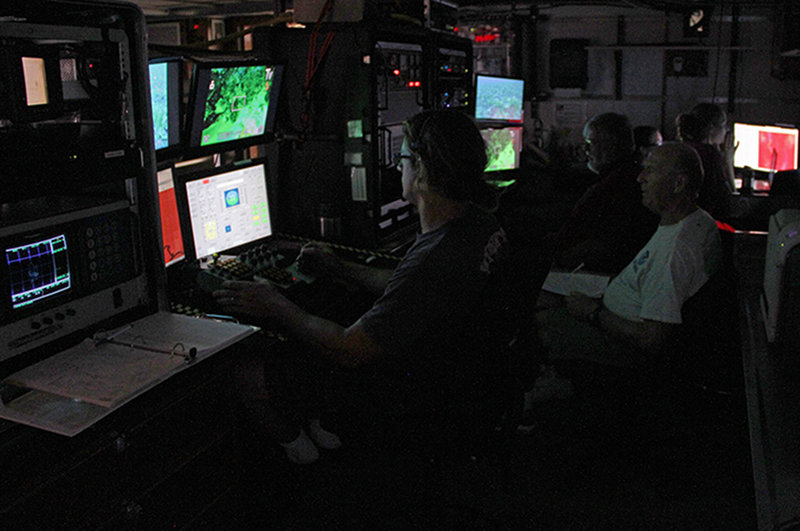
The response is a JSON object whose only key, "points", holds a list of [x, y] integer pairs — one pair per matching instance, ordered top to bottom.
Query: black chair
{"points": [[705, 353]]}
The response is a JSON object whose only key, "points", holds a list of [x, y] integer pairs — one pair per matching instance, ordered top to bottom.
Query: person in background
{"points": [[704, 128], [646, 137], [608, 224], [629, 326], [413, 357]]}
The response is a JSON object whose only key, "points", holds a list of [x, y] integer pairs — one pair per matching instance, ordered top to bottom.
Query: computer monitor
{"points": [[166, 93], [498, 98], [232, 104], [503, 146], [765, 147], [227, 207], [171, 235], [38, 269]]}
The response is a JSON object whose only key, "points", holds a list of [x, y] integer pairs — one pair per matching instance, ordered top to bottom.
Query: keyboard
{"points": [[211, 278]]}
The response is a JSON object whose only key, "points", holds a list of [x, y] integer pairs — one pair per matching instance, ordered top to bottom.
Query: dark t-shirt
{"points": [[716, 190], [610, 214], [425, 319]]}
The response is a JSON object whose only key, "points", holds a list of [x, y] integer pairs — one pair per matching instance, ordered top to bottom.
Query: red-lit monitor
{"points": [[765, 147], [171, 236]]}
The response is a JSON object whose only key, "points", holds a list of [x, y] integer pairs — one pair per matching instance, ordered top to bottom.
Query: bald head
{"points": [[682, 159], [671, 178]]}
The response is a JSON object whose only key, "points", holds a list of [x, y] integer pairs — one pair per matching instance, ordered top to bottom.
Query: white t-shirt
{"points": [[669, 269]]}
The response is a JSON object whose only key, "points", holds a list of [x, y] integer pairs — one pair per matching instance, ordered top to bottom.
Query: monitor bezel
{"points": [[499, 120], [787, 127], [191, 135], [171, 151], [180, 178]]}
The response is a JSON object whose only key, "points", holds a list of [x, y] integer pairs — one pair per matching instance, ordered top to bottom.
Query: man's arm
{"points": [[320, 260], [648, 335], [349, 346]]}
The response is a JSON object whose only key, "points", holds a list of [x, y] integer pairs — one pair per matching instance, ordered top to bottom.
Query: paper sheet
{"points": [[564, 283]]}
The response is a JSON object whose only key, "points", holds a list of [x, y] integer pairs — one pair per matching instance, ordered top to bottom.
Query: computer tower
{"points": [[346, 92], [780, 300]]}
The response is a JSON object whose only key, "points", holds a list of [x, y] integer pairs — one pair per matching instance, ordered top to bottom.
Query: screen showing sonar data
{"points": [[228, 209], [38, 270]]}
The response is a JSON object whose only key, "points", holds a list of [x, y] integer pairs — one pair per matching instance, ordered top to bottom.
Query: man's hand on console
{"points": [[318, 259], [255, 299]]}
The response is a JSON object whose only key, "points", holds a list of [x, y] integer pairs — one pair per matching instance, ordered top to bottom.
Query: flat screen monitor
{"points": [[166, 93], [498, 98], [232, 104], [503, 146], [765, 147], [227, 207], [171, 235], [38, 269]]}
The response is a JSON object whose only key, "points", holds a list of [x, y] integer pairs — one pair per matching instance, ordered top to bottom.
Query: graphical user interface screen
{"points": [[498, 98], [237, 103], [503, 147], [765, 148], [228, 210], [171, 237], [38, 270]]}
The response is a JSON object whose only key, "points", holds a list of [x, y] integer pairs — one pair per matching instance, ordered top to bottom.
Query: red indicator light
{"points": [[196, 26], [486, 37], [396, 72], [417, 83], [410, 84]]}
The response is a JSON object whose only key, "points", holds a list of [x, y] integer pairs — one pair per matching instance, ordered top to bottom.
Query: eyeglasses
{"points": [[397, 159]]}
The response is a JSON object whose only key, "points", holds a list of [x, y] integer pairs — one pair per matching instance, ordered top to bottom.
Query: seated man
{"points": [[608, 224], [642, 305], [414, 355]]}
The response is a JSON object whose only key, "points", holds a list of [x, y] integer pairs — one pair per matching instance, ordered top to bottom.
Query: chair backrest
{"points": [[504, 322], [706, 350]]}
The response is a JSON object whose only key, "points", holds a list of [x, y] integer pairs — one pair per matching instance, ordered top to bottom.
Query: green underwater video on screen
{"points": [[158, 102], [237, 103], [501, 148]]}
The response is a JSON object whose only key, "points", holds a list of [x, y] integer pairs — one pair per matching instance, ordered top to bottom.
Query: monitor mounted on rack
{"points": [[166, 99], [498, 99], [232, 105], [503, 147], [765, 148], [227, 207], [171, 235]]}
